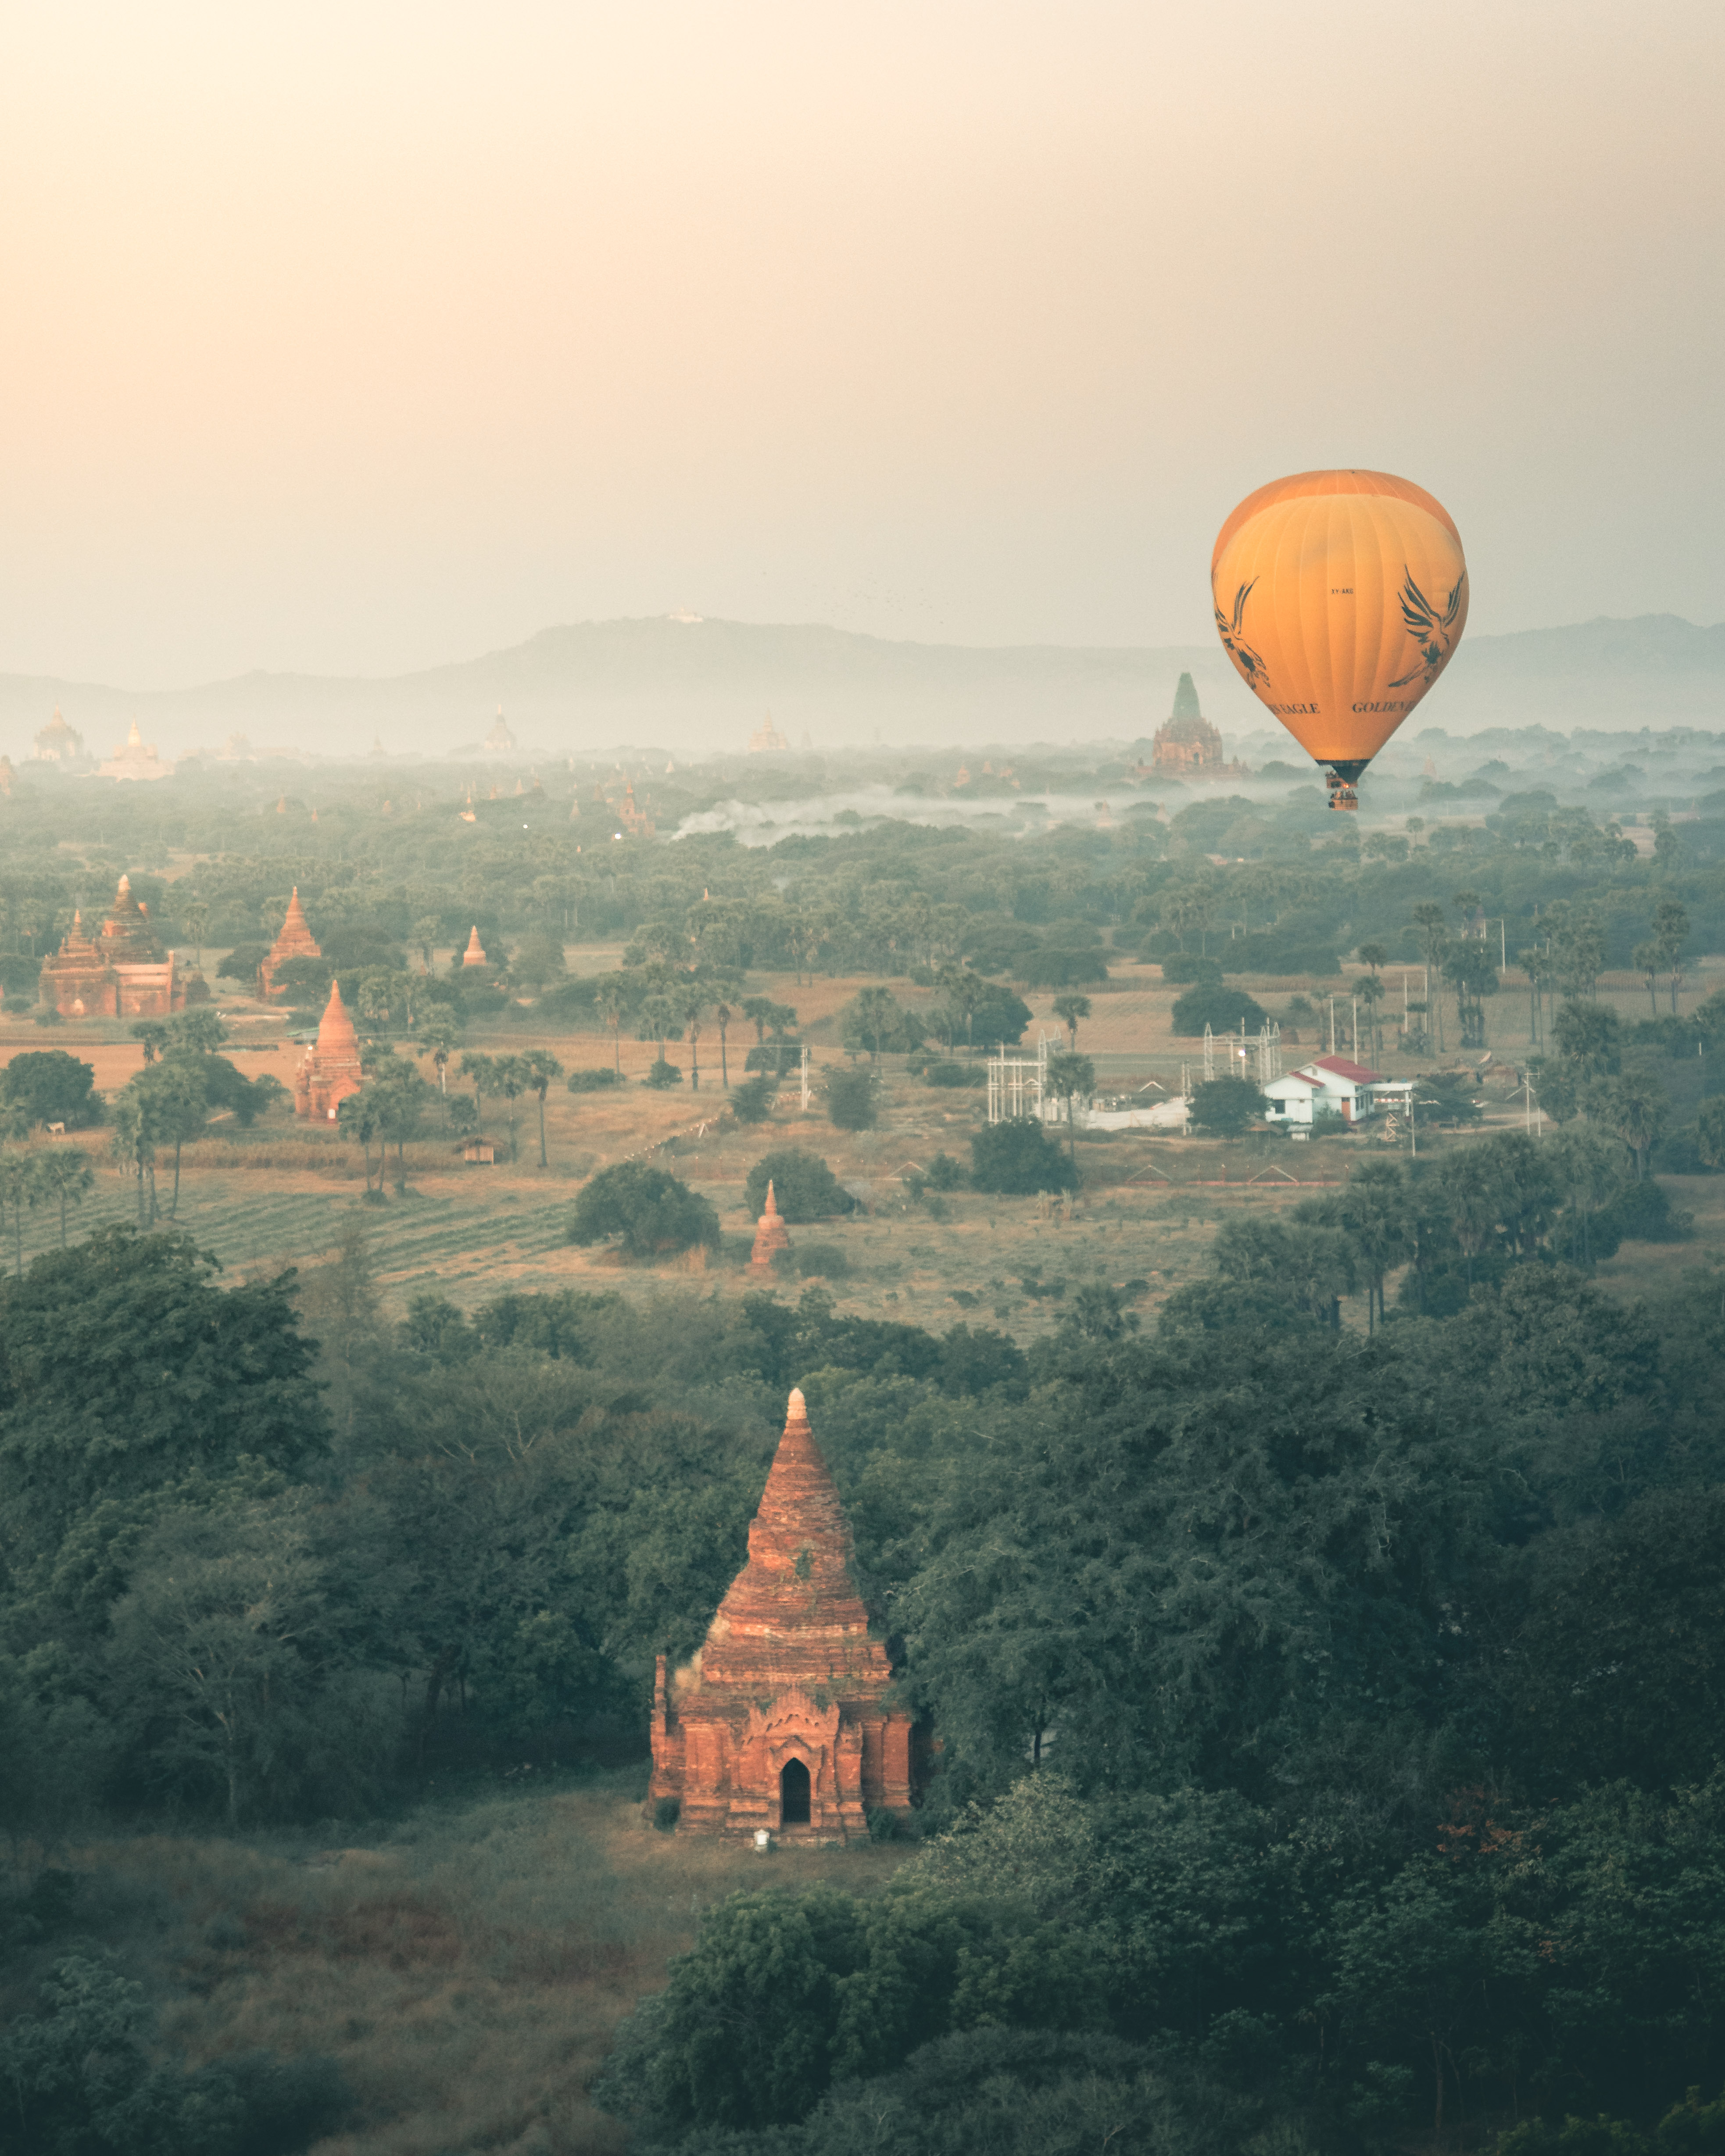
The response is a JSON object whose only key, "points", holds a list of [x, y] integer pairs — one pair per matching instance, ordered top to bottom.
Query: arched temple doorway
{"points": [[793, 1794]]}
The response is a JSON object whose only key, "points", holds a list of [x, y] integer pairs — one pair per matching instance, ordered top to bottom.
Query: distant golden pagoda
{"points": [[766, 740]]}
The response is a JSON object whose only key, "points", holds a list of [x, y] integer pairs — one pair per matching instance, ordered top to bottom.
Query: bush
{"points": [[242, 963], [1186, 966], [1062, 969], [1211, 1004], [875, 1022], [775, 1057], [955, 1075], [662, 1076], [594, 1081], [52, 1087], [850, 1099], [752, 1102], [1225, 1107], [1017, 1158], [943, 1173], [803, 1187], [1640, 1213], [652, 1214], [822, 1260], [666, 1813]]}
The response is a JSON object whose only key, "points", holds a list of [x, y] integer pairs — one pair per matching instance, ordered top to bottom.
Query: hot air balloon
{"points": [[1340, 596]]}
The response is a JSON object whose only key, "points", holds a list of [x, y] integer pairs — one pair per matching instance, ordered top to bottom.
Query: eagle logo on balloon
{"points": [[1433, 628], [1433, 631], [1250, 663]]}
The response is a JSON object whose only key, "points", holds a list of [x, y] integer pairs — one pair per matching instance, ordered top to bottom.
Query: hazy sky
{"points": [[358, 337]]}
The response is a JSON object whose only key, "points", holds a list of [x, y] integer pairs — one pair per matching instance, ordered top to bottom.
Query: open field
{"points": [[285, 1193], [465, 1966]]}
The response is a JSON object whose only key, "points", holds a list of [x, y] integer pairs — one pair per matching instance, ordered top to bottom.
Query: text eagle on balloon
{"points": [[1435, 632], [1249, 662]]}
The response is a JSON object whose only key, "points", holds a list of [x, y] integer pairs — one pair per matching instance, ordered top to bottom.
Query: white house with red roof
{"points": [[1328, 1086]]}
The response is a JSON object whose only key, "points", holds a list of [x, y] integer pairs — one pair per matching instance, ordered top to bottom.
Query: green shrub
{"points": [[242, 963], [1186, 966], [1061, 969], [1214, 1004], [955, 1075], [662, 1076], [595, 1080], [52, 1087], [850, 1100], [751, 1102], [1225, 1107], [1017, 1158], [943, 1173], [803, 1187], [1640, 1213], [651, 1214], [822, 1260], [666, 1813]]}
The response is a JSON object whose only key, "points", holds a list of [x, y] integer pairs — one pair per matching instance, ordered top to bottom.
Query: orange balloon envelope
{"points": [[1340, 596]]}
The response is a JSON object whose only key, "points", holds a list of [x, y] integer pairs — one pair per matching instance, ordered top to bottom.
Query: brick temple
{"points": [[295, 941], [120, 972], [330, 1070], [771, 1236], [782, 1719]]}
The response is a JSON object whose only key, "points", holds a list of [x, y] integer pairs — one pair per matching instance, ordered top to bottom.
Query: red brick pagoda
{"points": [[295, 941], [474, 954], [122, 972], [331, 1070], [771, 1236], [782, 1719]]}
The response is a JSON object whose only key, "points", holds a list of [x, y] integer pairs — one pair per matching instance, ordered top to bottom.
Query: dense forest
{"points": [[1328, 1715], [1334, 1718]]}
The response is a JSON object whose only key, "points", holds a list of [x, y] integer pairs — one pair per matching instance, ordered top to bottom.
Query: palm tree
{"points": [[195, 918], [1434, 937], [1647, 959], [1370, 992], [689, 1002], [610, 1003], [1068, 1009], [723, 1014], [439, 1036], [541, 1067], [482, 1071], [1069, 1074], [511, 1080], [179, 1106], [1637, 1108], [361, 1116], [133, 1141], [64, 1174], [16, 1186], [1473, 1207], [1374, 1215]]}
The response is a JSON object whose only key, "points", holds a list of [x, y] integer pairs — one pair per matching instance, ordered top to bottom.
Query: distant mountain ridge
{"points": [[700, 686]]}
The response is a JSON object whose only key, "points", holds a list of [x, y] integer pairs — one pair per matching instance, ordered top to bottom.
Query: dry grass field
{"points": [[283, 1193], [467, 1967]]}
